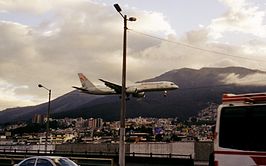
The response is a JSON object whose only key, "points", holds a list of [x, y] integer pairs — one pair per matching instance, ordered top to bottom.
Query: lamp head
{"points": [[117, 7], [132, 19], [40, 86]]}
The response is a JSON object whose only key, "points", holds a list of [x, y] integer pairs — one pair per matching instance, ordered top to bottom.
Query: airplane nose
{"points": [[174, 86]]}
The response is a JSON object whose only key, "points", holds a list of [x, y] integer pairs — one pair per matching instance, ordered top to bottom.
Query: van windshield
{"points": [[243, 128]]}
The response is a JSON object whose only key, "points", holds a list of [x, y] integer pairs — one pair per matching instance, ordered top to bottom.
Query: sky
{"points": [[49, 42]]}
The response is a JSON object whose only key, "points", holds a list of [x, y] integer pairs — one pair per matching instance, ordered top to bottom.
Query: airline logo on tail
{"points": [[82, 79]]}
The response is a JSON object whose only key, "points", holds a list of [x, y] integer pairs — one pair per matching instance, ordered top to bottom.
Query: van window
{"points": [[243, 128]]}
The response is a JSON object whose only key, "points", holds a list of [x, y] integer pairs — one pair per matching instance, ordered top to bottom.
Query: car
{"points": [[46, 161]]}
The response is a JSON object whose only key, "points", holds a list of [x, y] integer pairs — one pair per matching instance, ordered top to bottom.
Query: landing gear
{"points": [[165, 93]]}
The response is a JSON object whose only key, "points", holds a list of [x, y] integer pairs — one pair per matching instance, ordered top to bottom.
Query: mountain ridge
{"points": [[198, 88]]}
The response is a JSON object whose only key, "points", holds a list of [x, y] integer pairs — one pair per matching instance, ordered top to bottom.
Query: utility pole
{"points": [[123, 98], [48, 116]]}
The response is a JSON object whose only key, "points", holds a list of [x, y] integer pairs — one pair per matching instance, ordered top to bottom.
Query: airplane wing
{"points": [[117, 88], [82, 89]]}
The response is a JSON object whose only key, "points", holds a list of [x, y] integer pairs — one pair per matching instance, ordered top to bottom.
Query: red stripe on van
{"points": [[241, 153], [259, 160]]}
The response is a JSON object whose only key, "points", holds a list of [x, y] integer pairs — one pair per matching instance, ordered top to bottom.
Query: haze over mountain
{"points": [[198, 89]]}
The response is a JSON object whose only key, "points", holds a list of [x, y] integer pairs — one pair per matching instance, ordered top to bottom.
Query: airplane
{"points": [[137, 90]]}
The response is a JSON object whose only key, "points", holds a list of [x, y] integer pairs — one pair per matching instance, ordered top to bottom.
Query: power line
{"points": [[194, 47]]}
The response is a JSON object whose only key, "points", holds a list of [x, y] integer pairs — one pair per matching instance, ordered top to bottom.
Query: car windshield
{"points": [[243, 128], [64, 162]]}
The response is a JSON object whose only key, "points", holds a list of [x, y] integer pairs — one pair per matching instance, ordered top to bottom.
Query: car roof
{"points": [[50, 157]]}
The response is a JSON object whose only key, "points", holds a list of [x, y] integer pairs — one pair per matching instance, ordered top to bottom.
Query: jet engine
{"points": [[139, 94]]}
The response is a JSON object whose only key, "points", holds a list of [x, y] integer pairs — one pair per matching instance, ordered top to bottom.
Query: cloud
{"points": [[35, 7], [241, 17], [147, 22], [73, 36], [79, 36], [255, 47], [252, 79], [10, 95]]}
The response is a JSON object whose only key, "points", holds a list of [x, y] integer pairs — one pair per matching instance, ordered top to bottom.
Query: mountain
{"points": [[198, 88], [66, 102]]}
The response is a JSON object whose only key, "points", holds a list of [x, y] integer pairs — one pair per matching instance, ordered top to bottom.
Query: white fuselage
{"points": [[151, 86], [100, 90], [136, 90]]}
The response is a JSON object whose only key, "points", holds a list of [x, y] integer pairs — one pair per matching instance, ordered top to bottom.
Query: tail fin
{"points": [[84, 81]]}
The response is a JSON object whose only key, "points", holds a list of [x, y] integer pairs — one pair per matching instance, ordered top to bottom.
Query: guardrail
{"points": [[4, 152], [8, 157], [82, 161]]}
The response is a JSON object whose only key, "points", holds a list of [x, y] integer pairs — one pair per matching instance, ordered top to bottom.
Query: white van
{"points": [[240, 132]]}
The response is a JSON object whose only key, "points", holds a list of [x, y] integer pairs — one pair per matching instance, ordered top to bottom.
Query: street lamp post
{"points": [[123, 98], [48, 116]]}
